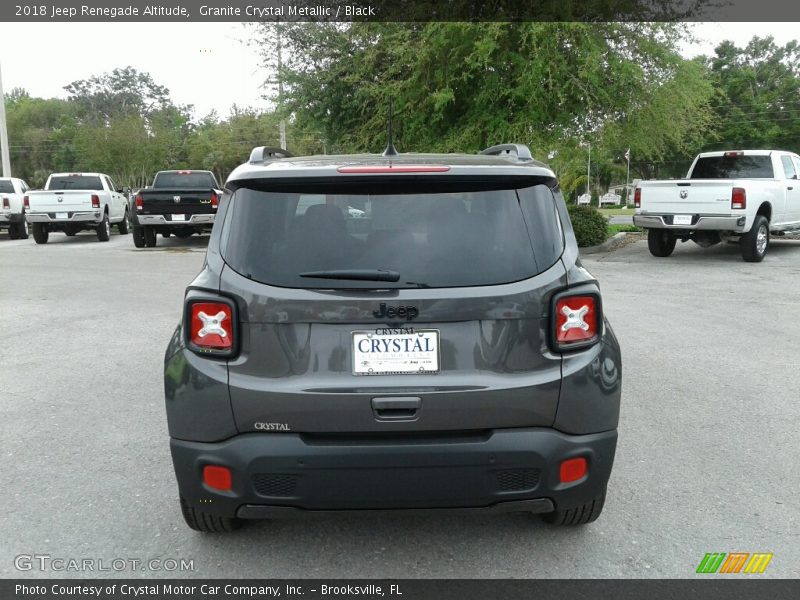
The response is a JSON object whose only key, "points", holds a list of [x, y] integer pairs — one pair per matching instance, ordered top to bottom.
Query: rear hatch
{"points": [[66, 193], [393, 307]]}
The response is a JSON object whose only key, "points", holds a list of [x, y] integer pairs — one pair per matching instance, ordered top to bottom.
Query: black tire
{"points": [[124, 224], [23, 229], [104, 229], [40, 233], [138, 236], [150, 237], [660, 242], [755, 243], [580, 515], [206, 522]]}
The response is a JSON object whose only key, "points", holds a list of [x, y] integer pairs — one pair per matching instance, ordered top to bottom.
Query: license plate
{"points": [[62, 215], [178, 217], [682, 220], [379, 353]]}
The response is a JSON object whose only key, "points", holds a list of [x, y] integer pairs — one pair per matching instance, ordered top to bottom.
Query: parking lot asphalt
{"points": [[708, 456]]}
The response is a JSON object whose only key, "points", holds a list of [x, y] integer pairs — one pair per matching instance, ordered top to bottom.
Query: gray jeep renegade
{"points": [[407, 331]]}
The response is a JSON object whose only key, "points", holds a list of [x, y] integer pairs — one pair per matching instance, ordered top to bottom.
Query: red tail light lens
{"points": [[637, 197], [738, 198], [214, 200], [95, 201], [26, 202], [139, 202], [6, 203], [576, 321], [211, 327], [573, 469], [218, 478]]}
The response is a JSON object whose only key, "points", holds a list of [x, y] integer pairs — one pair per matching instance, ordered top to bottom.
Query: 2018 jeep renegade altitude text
{"points": [[408, 331]]}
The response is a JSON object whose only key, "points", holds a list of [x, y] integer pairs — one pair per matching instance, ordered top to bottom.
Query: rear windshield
{"points": [[733, 167], [184, 180], [75, 182], [6, 187], [435, 239]]}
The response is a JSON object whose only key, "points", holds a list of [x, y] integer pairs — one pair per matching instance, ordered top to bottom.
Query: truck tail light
{"points": [[637, 198], [738, 198], [214, 200], [95, 201], [26, 202], [139, 202], [6, 203], [577, 320], [211, 327]]}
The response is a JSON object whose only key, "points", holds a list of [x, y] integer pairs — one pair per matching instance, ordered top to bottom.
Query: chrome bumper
{"points": [[73, 217], [204, 219], [731, 223]]}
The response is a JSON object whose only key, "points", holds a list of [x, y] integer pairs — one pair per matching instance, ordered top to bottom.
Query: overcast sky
{"points": [[208, 65]]}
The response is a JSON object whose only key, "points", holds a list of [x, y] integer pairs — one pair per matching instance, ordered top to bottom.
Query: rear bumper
{"points": [[94, 216], [160, 220], [699, 223], [497, 471]]}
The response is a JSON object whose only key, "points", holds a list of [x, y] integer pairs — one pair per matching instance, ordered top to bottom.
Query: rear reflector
{"points": [[395, 169], [637, 198], [738, 198], [95, 201], [26, 202], [139, 202], [6, 203], [576, 320], [211, 327], [573, 469], [218, 478]]}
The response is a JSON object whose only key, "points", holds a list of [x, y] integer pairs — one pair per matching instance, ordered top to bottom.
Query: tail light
{"points": [[637, 198], [738, 198], [214, 200], [95, 201], [26, 202], [139, 202], [6, 203], [577, 320], [211, 327], [573, 469], [218, 478]]}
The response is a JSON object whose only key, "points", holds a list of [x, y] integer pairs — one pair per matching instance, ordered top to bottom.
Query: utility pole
{"points": [[282, 124], [3, 131], [589, 172], [627, 175]]}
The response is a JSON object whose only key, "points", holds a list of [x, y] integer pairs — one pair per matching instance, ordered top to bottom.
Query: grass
{"points": [[615, 229]]}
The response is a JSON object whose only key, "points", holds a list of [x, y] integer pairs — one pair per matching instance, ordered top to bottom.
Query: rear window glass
{"points": [[733, 167], [185, 180], [75, 182], [6, 187], [435, 239]]}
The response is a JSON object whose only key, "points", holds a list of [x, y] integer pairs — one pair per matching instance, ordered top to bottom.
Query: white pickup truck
{"points": [[744, 195], [71, 202], [12, 213]]}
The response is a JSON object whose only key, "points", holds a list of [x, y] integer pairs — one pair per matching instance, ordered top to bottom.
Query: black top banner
{"points": [[397, 10]]}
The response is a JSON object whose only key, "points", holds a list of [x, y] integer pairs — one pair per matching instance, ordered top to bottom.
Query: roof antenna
{"points": [[390, 149]]}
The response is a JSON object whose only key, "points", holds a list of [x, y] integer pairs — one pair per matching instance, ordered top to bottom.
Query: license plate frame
{"points": [[62, 215], [179, 217], [682, 220], [426, 362]]}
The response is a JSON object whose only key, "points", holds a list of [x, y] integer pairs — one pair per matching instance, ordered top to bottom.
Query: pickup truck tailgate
{"points": [[698, 196], [61, 200], [177, 201]]}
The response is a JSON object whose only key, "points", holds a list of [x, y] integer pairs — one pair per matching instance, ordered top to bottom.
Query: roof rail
{"points": [[521, 151], [261, 154]]}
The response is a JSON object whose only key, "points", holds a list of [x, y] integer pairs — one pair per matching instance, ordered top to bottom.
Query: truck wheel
{"points": [[123, 225], [22, 229], [104, 229], [40, 233], [138, 236], [150, 237], [660, 242], [755, 242], [580, 515], [206, 522]]}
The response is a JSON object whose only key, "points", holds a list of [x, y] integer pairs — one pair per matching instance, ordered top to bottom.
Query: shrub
{"points": [[591, 227]]}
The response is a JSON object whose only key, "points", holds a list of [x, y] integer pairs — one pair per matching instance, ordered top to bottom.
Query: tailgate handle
{"points": [[396, 408]]}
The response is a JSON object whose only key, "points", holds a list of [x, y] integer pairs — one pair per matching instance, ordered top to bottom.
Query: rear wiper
{"points": [[355, 274]]}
